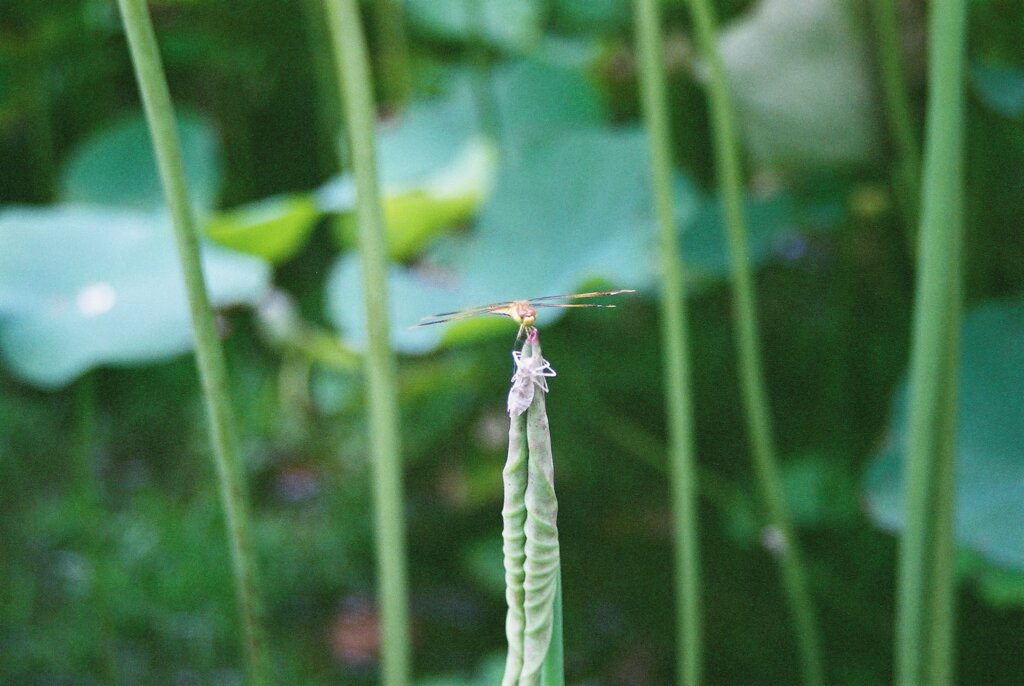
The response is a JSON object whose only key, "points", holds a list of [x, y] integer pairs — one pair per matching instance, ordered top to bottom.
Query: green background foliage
{"points": [[518, 168]]}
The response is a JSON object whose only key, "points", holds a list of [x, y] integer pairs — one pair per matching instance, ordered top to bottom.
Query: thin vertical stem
{"points": [[393, 47], [328, 103], [358, 107], [899, 116], [209, 356], [755, 396], [682, 471], [943, 597], [924, 621]]}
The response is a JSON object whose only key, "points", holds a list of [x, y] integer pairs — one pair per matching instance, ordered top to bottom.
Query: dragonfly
{"points": [[522, 312]]}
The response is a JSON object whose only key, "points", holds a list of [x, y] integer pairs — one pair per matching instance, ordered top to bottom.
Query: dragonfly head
{"points": [[524, 314]]}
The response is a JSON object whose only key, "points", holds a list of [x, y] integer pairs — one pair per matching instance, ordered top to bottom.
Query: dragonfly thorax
{"points": [[523, 313]]}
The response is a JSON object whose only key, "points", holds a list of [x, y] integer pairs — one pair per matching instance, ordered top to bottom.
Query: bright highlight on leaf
{"points": [[84, 286]]}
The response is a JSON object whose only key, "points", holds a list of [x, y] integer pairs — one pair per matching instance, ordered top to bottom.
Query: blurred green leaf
{"points": [[591, 15], [514, 26], [801, 84], [999, 87], [536, 97], [428, 136], [116, 166], [437, 168], [434, 169], [565, 186], [442, 199], [567, 211], [564, 212], [771, 220], [272, 228], [81, 287], [435, 397], [990, 441], [820, 491], [158, 561], [484, 561], [1000, 586], [488, 674]]}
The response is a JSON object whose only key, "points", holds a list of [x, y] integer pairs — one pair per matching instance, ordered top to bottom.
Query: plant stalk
{"points": [[396, 81], [156, 99], [899, 116], [675, 337], [752, 384], [385, 450], [533, 576], [924, 620]]}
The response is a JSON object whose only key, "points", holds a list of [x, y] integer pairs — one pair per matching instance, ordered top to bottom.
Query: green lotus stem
{"points": [[396, 81], [156, 99], [328, 102], [901, 122], [752, 384], [385, 451], [682, 468], [532, 559], [924, 619]]}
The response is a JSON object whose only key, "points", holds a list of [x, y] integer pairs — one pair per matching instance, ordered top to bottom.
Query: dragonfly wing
{"points": [[576, 296], [565, 305], [508, 308], [503, 309], [475, 310], [458, 314], [450, 317]]}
